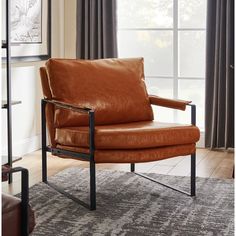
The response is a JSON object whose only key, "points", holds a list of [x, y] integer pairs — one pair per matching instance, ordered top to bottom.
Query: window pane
{"points": [[192, 13], [145, 14], [156, 47], [192, 53], [163, 88], [193, 90]]}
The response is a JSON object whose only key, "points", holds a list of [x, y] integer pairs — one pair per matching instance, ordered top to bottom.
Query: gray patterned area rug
{"points": [[130, 205]]}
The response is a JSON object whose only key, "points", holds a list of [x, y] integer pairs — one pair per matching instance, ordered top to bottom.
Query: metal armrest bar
{"points": [[168, 102], [67, 106], [88, 111], [193, 113], [24, 198]]}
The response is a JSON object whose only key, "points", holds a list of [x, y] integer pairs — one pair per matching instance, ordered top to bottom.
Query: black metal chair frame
{"points": [[90, 156], [24, 198]]}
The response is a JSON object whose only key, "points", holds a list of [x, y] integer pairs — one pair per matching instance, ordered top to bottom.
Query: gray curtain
{"points": [[96, 29], [219, 123]]}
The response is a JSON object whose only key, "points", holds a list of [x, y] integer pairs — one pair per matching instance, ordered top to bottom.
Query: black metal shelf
{"points": [[4, 44], [4, 103], [8, 104]]}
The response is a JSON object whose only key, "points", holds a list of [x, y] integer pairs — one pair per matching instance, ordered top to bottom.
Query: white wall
{"points": [[70, 28], [26, 87]]}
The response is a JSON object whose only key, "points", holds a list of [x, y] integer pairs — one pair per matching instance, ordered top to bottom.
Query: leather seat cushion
{"points": [[114, 88], [136, 135], [135, 156], [11, 216]]}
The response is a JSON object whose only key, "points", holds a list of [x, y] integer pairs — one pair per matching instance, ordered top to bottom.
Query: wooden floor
{"points": [[213, 164]]}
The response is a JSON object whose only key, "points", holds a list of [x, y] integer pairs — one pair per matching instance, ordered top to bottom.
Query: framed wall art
{"points": [[30, 29]]}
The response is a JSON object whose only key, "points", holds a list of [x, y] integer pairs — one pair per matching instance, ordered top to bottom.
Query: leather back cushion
{"points": [[114, 88], [49, 107]]}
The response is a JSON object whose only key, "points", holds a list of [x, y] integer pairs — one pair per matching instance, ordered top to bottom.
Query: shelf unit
{"points": [[6, 45], [4, 103]]}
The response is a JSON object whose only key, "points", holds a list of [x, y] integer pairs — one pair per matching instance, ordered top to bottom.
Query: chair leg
{"points": [[44, 143], [44, 165], [132, 167], [193, 174], [92, 185], [25, 201]]}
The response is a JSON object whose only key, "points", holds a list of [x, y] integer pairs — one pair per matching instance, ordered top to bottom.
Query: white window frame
{"points": [[175, 78]]}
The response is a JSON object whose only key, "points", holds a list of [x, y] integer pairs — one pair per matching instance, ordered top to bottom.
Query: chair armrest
{"points": [[166, 102], [175, 104], [67, 106], [71, 107], [193, 113], [5, 172], [24, 194]]}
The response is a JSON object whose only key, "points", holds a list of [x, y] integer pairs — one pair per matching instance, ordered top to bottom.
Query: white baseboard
{"points": [[201, 142], [24, 146]]}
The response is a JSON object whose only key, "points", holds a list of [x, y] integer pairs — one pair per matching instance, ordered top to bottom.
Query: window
{"points": [[170, 35]]}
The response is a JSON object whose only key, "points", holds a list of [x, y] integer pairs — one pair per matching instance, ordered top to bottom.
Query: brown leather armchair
{"points": [[99, 111], [17, 215]]}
